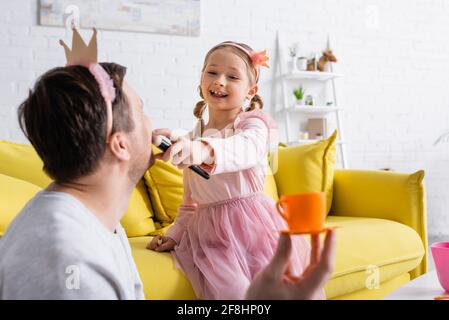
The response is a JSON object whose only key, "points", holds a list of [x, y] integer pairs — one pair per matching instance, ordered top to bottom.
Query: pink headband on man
{"points": [[86, 56], [258, 59]]}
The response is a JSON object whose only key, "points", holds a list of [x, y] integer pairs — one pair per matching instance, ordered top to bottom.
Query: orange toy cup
{"points": [[303, 212]]}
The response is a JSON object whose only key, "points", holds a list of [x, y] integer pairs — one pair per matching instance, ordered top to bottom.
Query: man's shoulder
{"points": [[49, 210], [51, 223]]}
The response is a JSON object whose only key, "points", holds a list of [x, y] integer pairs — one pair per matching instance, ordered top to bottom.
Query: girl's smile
{"points": [[218, 94]]}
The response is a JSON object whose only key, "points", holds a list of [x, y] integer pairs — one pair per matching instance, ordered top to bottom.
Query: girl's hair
{"points": [[255, 103]]}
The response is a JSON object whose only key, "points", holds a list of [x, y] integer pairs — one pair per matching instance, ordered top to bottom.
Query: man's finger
{"points": [[329, 250], [315, 251], [281, 257], [322, 271]]}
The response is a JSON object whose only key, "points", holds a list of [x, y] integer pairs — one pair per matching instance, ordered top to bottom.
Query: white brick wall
{"points": [[394, 55]]}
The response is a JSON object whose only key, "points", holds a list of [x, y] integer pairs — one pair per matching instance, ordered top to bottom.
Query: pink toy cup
{"points": [[440, 253]]}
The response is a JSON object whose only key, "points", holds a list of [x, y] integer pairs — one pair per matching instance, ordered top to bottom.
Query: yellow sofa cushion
{"points": [[22, 162], [307, 168], [164, 182], [270, 188], [367, 188], [14, 194], [386, 195], [138, 218], [367, 244], [161, 278], [379, 293]]}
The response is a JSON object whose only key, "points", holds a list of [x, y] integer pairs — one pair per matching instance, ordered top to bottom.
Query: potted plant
{"points": [[299, 95]]}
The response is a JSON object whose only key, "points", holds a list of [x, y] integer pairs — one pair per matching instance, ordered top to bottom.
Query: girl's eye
{"points": [[212, 72], [233, 77]]}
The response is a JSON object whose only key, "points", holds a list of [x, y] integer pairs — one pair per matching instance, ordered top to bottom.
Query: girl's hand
{"points": [[186, 152], [161, 243]]}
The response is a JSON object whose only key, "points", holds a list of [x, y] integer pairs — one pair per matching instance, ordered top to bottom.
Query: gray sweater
{"points": [[57, 249]]}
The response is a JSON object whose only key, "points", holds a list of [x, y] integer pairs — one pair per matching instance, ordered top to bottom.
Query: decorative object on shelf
{"points": [[293, 51], [325, 58], [302, 64], [312, 64], [320, 64], [299, 95], [310, 101], [329, 103], [317, 127], [303, 135]]}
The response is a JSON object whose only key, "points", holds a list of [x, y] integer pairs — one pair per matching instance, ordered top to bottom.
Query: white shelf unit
{"points": [[310, 75], [311, 110], [288, 111]]}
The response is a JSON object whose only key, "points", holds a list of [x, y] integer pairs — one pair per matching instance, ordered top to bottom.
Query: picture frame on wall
{"points": [[175, 17]]}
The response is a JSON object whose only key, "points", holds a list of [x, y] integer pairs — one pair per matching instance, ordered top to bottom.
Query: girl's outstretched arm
{"points": [[245, 149]]}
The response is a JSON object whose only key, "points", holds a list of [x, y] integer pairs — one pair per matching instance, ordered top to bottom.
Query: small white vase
{"points": [[302, 64]]}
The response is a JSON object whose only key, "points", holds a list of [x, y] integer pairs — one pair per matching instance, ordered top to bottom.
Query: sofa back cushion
{"points": [[21, 161], [307, 168], [165, 186], [270, 188], [14, 194], [394, 196]]}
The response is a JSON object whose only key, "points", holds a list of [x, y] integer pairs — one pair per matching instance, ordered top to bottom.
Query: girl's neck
{"points": [[219, 119]]}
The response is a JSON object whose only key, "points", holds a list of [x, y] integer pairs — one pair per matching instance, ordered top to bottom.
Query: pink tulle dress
{"points": [[231, 230]]}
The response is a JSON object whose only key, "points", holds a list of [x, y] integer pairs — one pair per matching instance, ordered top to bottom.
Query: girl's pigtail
{"points": [[256, 103], [198, 113]]}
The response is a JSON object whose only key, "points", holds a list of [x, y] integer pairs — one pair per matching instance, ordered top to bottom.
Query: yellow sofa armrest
{"points": [[385, 195]]}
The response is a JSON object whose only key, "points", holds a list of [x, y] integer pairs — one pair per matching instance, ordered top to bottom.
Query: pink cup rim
{"points": [[440, 245]]}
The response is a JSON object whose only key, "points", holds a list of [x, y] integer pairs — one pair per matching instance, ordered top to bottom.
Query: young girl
{"points": [[227, 229]]}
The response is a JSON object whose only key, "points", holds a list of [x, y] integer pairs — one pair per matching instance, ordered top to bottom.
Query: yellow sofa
{"points": [[381, 239]]}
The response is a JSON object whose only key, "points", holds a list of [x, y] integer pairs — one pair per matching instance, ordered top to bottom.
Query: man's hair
{"points": [[64, 118]]}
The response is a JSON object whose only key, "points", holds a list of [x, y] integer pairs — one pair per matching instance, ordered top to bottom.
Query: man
{"points": [[73, 226]]}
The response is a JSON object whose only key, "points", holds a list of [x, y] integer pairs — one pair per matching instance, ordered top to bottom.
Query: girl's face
{"points": [[225, 83]]}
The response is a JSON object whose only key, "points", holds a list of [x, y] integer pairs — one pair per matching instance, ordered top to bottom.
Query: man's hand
{"points": [[161, 243], [275, 282]]}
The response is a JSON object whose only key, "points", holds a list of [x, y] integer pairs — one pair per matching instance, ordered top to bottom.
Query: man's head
{"points": [[65, 116]]}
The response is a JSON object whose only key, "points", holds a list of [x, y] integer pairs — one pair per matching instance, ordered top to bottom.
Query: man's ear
{"points": [[252, 91], [119, 146]]}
